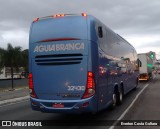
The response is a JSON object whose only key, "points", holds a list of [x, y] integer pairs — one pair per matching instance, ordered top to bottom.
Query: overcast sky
{"points": [[138, 21]]}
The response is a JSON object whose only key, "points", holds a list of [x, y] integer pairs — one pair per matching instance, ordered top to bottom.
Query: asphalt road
{"points": [[16, 82], [146, 107]]}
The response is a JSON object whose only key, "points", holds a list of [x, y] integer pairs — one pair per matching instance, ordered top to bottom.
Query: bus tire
{"points": [[137, 83], [120, 96], [114, 101], [94, 113]]}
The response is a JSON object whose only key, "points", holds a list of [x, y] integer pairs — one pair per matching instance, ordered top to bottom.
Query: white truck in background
{"points": [[145, 71]]}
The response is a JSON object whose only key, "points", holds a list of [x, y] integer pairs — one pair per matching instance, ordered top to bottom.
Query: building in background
{"points": [[5, 73]]}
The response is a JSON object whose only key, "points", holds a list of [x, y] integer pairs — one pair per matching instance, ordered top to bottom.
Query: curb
{"points": [[14, 100]]}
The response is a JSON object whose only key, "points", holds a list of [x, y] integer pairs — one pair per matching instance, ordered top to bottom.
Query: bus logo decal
{"points": [[59, 47]]}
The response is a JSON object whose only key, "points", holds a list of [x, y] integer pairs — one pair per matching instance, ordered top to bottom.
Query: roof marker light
{"points": [[84, 14], [58, 15], [36, 19]]}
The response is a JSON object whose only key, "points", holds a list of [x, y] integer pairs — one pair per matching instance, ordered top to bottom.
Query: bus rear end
{"points": [[61, 79]]}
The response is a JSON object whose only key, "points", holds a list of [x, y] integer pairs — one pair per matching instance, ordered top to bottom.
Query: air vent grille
{"points": [[59, 59]]}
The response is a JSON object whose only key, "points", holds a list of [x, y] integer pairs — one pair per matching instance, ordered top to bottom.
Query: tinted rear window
{"points": [[68, 27]]}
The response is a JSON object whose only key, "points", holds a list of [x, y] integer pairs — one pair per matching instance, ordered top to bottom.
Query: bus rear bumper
{"points": [[65, 106]]}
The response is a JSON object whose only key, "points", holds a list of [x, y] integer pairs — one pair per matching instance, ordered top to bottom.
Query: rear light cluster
{"points": [[58, 15], [31, 86], [90, 88]]}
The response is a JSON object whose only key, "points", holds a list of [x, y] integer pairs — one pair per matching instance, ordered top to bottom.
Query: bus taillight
{"points": [[58, 15], [30, 81], [31, 86], [90, 87]]}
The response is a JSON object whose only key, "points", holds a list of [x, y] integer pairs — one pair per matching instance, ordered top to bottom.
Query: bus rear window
{"points": [[67, 27]]}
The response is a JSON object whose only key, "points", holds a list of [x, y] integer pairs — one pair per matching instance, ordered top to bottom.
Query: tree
{"points": [[1, 54], [11, 57], [25, 60]]}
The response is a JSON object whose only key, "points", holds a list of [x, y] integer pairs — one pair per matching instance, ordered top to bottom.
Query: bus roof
{"points": [[59, 26]]}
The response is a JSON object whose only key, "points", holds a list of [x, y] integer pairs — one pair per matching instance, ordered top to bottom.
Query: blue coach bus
{"points": [[77, 65]]}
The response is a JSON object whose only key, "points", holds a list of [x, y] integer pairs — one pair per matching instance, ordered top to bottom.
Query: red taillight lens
{"points": [[90, 80], [30, 81], [31, 86], [90, 88]]}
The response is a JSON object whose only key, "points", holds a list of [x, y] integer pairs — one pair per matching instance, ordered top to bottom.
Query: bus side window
{"points": [[100, 31]]}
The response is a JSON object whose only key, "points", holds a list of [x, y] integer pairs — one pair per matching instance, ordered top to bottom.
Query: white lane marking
{"points": [[14, 100], [13, 103], [129, 107]]}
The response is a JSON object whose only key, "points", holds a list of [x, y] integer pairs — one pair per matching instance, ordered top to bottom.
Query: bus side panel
{"points": [[93, 61], [117, 61], [94, 65]]}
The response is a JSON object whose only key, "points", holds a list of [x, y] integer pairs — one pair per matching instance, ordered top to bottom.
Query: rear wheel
{"points": [[137, 84], [120, 96], [114, 100]]}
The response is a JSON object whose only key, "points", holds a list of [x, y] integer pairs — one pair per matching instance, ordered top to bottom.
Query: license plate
{"points": [[58, 105]]}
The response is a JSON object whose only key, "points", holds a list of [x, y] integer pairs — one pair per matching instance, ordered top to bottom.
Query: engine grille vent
{"points": [[59, 59]]}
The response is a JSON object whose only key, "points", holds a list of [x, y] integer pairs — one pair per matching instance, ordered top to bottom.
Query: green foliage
{"points": [[2, 51], [14, 58], [24, 61]]}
